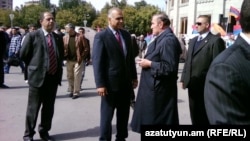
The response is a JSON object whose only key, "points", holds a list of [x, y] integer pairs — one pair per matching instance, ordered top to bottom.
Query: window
{"points": [[184, 1], [172, 3], [184, 23]]}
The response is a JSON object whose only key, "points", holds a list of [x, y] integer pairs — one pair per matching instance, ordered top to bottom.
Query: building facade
{"points": [[6, 4], [183, 13]]}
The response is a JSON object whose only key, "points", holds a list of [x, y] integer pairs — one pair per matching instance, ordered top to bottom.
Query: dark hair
{"points": [[245, 16], [205, 17], [164, 18], [81, 28]]}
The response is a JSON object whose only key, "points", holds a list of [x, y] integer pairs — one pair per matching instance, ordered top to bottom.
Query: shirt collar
{"points": [[114, 31], [45, 32], [204, 35], [245, 37]]}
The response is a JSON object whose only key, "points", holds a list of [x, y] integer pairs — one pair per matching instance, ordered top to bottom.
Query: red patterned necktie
{"points": [[118, 37], [52, 56]]}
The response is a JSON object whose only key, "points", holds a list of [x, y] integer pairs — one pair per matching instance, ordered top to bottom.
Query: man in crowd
{"points": [[76, 50], [42, 51], [201, 52], [115, 75]]}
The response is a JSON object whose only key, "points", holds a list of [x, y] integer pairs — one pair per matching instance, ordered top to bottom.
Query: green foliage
{"points": [[137, 19]]}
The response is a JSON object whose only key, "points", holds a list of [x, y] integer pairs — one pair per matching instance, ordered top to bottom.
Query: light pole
{"points": [[11, 19], [85, 19]]}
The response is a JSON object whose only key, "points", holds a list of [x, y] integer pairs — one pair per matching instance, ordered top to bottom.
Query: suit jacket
{"points": [[81, 44], [34, 53], [198, 62], [113, 69], [227, 86]]}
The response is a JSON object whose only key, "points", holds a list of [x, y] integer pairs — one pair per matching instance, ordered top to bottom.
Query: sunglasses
{"points": [[198, 23]]}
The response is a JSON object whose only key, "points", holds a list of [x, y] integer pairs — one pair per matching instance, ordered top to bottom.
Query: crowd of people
{"points": [[216, 78]]}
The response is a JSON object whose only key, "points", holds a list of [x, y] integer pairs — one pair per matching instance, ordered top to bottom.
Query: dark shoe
{"points": [[3, 86], [70, 94], [75, 96], [132, 104], [45, 137], [28, 139], [120, 140]]}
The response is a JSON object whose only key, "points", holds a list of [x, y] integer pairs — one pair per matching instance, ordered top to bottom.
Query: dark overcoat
{"points": [[156, 101]]}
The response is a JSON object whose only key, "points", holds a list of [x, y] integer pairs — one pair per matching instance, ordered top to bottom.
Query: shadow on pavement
{"points": [[82, 95], [92, 132]]}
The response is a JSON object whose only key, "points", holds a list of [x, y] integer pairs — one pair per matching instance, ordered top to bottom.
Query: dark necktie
{"points": [[118, 38], [196, 46], [52, 56]]}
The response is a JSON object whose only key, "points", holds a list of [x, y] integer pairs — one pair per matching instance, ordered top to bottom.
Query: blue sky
{"points": [[98, 4]]}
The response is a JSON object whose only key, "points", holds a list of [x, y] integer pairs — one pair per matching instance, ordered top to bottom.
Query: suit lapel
{"points": [[113, 38], [43, 39], [56, 43], [202, 44]]}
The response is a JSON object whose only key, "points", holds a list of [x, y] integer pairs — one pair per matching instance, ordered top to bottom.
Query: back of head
{"points": [[245, 16], [164, 18]]}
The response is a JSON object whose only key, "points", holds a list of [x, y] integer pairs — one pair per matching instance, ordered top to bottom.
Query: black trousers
{"points": [[1, 71], [43, 96], [121, 102], [197, 106]]}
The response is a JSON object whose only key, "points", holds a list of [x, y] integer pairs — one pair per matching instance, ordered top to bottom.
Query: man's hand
{"points": [[144, 63], [134, 83], [182, 85], [102, 91]]}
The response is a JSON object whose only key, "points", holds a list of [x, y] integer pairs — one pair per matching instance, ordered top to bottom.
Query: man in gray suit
{"points": [[42, 51], [201, 51], [115, 75], [227, 87]]}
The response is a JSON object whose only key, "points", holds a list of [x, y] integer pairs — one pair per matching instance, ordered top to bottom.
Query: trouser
{"points": [[83, 71], [74, 75], [44, 96], [121, 102], [197, 106]]}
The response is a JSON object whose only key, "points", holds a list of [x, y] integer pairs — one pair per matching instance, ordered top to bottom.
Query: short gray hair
{"points": [[70, 25]]}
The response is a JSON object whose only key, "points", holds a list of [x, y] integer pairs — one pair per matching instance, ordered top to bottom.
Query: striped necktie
{"points": [[52, 56]]}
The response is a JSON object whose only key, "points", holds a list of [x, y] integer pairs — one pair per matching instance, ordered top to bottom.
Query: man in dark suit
{"points": [[3, 41], [42, 51], [201, 51], [115, 75], [227, 84], [156, 101]]}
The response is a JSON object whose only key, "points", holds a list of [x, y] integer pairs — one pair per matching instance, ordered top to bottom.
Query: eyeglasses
{"points": [[198, 23]]}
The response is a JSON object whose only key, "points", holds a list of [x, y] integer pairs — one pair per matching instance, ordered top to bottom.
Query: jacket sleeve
{"points": [[98, 61]]}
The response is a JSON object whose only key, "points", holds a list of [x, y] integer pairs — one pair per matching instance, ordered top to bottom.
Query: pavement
{"points": [[74, 120]]}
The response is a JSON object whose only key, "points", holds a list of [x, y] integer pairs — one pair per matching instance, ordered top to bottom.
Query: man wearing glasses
{"points": [[201, 52]]}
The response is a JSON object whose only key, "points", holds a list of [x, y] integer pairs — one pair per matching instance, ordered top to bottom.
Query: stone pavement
{"points": [[74, 120]]}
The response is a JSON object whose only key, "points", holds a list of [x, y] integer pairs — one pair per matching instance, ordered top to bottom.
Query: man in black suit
{"points": [[3, 41], [42, 51], [201, 51], [115, 75], [227, 84]]}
